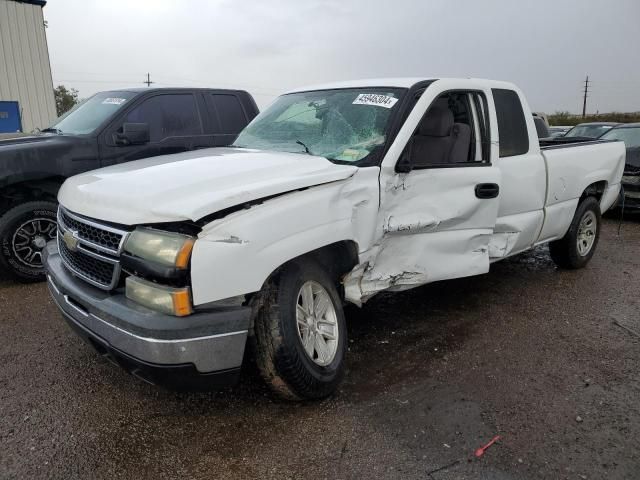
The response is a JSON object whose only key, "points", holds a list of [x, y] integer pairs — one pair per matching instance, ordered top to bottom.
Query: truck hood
{"points": [[17, 141], [42, 156], [192, 185]]}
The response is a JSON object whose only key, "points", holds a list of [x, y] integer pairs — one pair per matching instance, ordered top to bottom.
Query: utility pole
{"points": [[148, 80], [584, 101]]}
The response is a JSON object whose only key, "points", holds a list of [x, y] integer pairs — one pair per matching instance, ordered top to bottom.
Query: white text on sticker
{"points": [[374, 99]]}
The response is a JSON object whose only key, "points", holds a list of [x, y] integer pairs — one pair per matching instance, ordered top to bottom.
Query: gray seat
{"points": [[439, 140], [462, 142]]}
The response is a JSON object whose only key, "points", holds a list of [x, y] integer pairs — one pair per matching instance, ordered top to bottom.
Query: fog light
{"points": [[169, 300]]}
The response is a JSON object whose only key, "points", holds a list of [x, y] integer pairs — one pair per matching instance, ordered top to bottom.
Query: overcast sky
{"points": [[266, 47]]}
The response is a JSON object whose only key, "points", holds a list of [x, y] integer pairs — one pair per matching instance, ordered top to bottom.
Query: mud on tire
{"points": [[23, 229], [277, 344]]}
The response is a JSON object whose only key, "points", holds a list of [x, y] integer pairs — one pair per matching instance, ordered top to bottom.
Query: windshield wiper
{"points": [[52, 129], [306, 149]]}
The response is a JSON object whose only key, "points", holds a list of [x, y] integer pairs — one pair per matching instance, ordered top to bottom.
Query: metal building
{"points": [[26, 87]]}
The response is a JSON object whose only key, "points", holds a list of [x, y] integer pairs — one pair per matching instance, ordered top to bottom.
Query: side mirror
{"points": [[132, 134], [405, 165]]}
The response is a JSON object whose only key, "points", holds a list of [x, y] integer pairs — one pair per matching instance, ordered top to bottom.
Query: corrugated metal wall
{"points": [[25, 72]]}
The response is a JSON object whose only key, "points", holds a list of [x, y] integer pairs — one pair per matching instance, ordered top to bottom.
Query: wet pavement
{"points": [[527, 352]]}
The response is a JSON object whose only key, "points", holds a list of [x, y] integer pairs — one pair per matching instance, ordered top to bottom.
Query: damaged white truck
{"points": [[170, 265]]}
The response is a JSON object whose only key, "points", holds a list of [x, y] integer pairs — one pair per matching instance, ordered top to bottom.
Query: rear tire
{"points": [[24, 231], [576, 248], [286, 333]]}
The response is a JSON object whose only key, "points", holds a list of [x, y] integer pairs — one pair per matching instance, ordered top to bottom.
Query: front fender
{"points": [[236, 254]]}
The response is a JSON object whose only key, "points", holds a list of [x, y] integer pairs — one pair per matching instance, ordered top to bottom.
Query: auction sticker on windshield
{"points": [[375, 99], [114, 101]]}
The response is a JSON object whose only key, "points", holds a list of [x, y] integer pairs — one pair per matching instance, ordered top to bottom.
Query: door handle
{"points": [[487, 190]]}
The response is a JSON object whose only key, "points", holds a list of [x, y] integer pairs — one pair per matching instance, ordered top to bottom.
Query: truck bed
{"points": [[564, 142]]}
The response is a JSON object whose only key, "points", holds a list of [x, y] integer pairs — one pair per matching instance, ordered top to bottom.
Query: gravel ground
{"points": [[527, 352]]}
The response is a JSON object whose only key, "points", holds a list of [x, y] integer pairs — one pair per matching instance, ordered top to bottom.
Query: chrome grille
{"points": [[98, 236], [90, 250], [96, 270]]}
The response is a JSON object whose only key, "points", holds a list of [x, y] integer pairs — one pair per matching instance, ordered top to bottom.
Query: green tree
{"points": [[66, 98]]}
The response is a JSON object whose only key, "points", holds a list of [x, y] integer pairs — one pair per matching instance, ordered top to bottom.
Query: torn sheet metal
{"points": [[433, 227], [502, 244], [235, 254], [406, 261]]}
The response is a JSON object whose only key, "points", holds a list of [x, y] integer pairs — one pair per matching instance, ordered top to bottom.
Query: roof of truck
{"points": [[400, 82], [405, 82], [163, 89]]}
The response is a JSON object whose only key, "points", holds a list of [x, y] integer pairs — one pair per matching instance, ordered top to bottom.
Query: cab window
{"points": [[168, 115], [512, 126], [453, 132]]}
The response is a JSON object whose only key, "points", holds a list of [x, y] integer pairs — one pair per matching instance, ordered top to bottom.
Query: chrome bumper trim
{"points": [[208, 353]]}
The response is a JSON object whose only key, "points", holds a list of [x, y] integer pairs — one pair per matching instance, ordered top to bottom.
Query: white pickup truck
{"points": [[170, 265]]}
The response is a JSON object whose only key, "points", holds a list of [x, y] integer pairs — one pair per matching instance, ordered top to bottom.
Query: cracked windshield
{"points": [[342, 125]]}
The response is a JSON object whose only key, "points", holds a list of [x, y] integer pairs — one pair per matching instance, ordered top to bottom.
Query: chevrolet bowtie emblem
{"points": [[70, 240]]}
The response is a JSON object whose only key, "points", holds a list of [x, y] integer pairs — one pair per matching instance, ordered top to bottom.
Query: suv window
{"points": [[169, 115], [231, 115], [512, 126]]}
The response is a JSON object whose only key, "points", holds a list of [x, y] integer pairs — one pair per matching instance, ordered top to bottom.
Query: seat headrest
{"points": [[437, 122]]}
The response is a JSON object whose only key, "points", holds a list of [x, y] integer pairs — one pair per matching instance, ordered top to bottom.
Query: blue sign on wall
{"points": [[10, 117]]}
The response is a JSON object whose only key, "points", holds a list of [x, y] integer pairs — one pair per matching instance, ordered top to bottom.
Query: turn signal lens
{"points": [[182, 258], [182, 303]]}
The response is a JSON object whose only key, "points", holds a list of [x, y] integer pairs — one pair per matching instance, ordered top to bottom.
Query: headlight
{"points": [[167, 249], [169, 300]]}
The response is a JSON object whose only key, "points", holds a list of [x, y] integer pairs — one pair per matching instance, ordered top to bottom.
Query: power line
{"points": [[148, 80], [584, 100]]}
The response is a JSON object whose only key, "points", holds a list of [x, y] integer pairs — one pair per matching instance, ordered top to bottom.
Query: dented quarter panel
{"points": [[520, 228], [236, 254]]}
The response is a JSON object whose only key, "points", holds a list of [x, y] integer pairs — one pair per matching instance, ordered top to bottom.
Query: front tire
{"points": [[24, 232], [576, 248], [299, 334]]}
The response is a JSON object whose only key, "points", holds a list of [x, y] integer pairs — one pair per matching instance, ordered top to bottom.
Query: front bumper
{"points": [[201, 351]]}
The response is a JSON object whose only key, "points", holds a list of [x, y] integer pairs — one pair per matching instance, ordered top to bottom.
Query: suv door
{"points": [[175, 125], [439, 192]]}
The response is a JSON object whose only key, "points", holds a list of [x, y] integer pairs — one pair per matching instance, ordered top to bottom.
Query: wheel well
{"points": [[41, 189], [596, 190], [338, 258]]}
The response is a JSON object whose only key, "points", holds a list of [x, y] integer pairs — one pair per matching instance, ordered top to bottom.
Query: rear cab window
{"points": [[227, 114], [512, 125]]}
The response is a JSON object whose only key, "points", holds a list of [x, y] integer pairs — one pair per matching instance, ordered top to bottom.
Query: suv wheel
{"points": [[24, 232]]}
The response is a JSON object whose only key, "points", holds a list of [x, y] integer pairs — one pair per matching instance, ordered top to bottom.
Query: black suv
{"points": [[108, 128]]}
